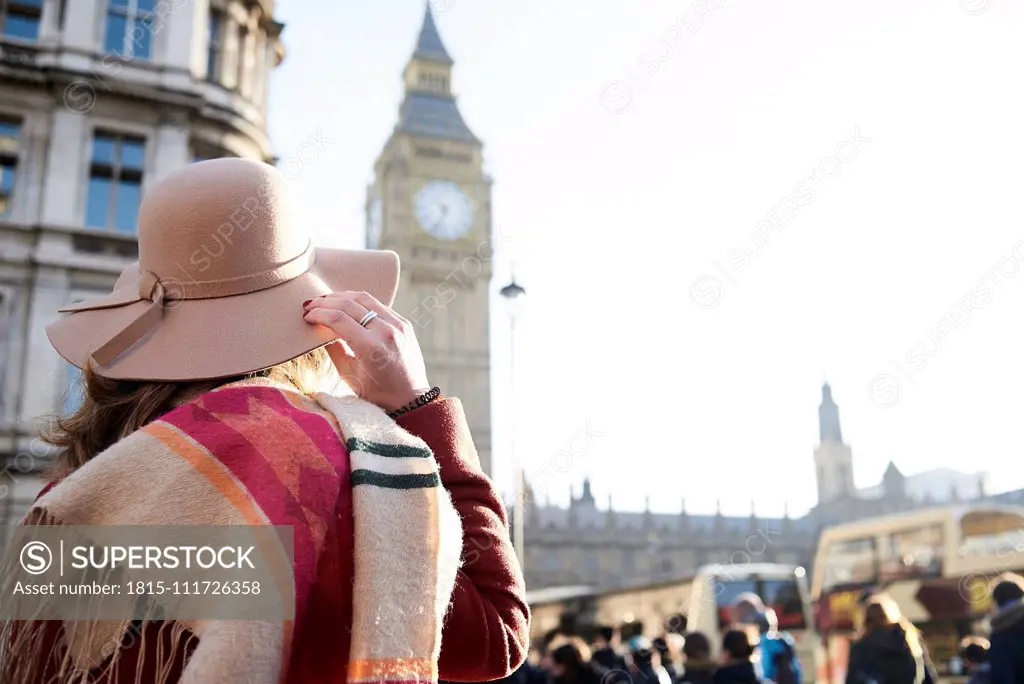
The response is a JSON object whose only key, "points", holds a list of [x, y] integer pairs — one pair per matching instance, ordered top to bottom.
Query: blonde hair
{"points": [[113, 409], [882, 612]]}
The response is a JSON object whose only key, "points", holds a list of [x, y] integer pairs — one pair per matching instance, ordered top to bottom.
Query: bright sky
{"points": [[636, 145]]}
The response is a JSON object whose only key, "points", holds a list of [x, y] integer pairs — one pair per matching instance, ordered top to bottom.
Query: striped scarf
{"points": [[260, 453]]}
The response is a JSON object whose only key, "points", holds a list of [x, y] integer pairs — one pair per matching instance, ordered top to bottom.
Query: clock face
{"points": [[444, 210], [374, 221]]}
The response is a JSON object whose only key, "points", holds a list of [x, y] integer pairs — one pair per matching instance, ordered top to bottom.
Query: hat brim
{"points": [[202, 339]]}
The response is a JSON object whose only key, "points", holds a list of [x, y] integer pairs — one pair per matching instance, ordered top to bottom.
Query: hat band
{"points": [[229, 287], [157, 291]]}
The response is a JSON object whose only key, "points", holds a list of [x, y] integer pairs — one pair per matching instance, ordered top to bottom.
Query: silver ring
{"points": [[365, 320]]}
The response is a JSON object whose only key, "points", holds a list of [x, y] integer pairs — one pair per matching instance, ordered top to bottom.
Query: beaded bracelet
{"points": [[419, 401]]}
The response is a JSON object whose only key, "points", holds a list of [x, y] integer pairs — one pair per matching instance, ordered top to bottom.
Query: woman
{"points": [[205, 404], [889, 650], [737, 652]]}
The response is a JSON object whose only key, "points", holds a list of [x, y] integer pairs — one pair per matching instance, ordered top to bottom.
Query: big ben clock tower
{"points": [[430, 201]]}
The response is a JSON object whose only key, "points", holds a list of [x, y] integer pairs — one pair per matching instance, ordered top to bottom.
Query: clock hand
{"points": [[441, 220]]}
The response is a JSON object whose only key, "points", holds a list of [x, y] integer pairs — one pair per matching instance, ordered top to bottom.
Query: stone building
{"points": [[98, 100], [430, 201], [583, 545]]}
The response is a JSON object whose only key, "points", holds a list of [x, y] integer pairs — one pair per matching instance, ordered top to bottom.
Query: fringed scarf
{"points": [[259, 453]]}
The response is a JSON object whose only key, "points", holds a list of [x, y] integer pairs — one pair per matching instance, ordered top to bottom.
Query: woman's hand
{"points": [[385, 365]]}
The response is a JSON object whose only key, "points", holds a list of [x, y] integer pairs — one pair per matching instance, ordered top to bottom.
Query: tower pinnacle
{"points": [[429, 45], [429, 109], [828, 417]]}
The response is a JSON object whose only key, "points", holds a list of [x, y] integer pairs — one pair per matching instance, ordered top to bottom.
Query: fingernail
{"points": [[307, 302]]}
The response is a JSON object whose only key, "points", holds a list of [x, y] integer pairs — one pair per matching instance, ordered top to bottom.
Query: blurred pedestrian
{"points": [[746, 608], [669, 647], [606, 649], [889, 649], [777, 651], [973, 652], [1006, 654], [737, 658], [645, 663], [570, 664], [698, 667], [530, 672], [930, 675]]}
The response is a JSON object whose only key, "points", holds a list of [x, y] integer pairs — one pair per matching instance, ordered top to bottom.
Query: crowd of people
{"points": [[752, 650]]}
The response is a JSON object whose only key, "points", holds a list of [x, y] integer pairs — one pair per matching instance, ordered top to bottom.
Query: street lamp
{"points": [[513, 294]]}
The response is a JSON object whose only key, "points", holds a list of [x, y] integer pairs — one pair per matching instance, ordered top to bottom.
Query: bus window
{"points": [[991, 534], [912, 553], [850, 561], [726, 591], [783, 596]]}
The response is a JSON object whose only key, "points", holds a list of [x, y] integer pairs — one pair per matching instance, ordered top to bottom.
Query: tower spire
{"points": [[429, 45], [429, 109], [828, 417], [587, 497]]}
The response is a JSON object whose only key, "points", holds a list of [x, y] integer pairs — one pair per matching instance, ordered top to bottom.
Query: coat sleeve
{"points": [[486, 631], [1000, 658], [854, 665]]}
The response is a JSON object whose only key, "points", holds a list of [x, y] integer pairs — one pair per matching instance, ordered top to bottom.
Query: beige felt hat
{"points": [[218, 289]]}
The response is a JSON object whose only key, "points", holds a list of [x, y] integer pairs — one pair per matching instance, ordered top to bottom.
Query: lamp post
{"points": [[513, 294]]}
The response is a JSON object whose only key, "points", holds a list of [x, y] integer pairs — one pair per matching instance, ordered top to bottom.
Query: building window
{"points": [[20, 18], [130, 28], [214, 45], [243, 59], [259, 68], [10, 130], [205, 152], [115, 182], [6, 338], [75, 392], [990, 534], [913, 553], [552, 561], [851, 562]]}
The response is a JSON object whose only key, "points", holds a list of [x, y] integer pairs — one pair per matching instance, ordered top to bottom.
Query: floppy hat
{"points": [[218, 289]]}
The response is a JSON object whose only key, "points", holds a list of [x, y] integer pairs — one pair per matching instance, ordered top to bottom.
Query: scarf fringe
{"points": [[23, 642]]}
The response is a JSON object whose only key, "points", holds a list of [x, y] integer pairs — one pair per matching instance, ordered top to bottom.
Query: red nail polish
{"points": [[307, 302]]}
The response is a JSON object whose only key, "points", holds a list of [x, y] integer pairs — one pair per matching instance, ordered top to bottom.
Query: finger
{"points": [[365, 300], [342, 303], [353, 309], [357, 337]]}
